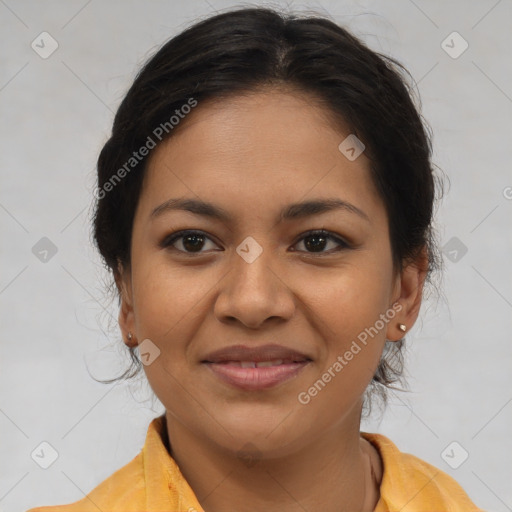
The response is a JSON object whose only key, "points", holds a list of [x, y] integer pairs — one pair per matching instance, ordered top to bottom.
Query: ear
{"points": [[408, 294], [126, 314]]}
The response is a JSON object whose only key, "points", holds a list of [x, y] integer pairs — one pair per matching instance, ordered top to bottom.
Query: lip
{"points": [[257, 354], [225, 364], [254, 379]]}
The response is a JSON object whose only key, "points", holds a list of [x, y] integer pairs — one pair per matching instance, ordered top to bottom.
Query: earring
{"points": [[402, 327], [130, 336]]}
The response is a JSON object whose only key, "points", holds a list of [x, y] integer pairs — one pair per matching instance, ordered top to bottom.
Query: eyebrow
{"points": [[290, 212]]}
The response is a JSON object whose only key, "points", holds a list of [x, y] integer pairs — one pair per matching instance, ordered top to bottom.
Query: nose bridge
{"points": [[252, 268], [253, 291]]}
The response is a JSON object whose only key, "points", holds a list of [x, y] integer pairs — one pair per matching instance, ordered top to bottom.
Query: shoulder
{"points": [[151, 481], [410, 484], [124, 488]]}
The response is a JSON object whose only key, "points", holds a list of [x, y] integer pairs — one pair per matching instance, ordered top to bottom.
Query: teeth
{"points": [[269, 363], [262, 364]]}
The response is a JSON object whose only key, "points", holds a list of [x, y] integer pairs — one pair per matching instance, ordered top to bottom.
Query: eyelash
{"points": [[173, 237]]}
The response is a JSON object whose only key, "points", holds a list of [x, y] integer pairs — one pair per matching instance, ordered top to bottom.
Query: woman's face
{"points": [[253, 277]]}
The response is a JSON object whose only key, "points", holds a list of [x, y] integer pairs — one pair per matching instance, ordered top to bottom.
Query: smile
{"points": [[253, 376]]}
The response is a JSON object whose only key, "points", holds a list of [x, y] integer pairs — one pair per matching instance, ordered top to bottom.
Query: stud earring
{"points": [[402, 327], [130, 336]]}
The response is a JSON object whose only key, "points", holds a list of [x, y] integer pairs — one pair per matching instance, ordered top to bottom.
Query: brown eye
{"points": [[190, 241], [316, 242]]}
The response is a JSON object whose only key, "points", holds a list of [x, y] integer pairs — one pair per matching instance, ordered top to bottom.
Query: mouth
{"points": [[258, 364], [256, 368]]}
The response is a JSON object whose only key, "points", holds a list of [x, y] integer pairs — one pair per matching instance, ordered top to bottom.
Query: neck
{"points": [[325, 475]]}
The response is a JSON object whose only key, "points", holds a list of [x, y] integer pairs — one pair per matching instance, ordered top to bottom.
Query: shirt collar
{"points": [[166, 487]]}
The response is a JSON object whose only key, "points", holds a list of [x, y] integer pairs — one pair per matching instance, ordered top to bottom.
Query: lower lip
{"points": [[252, 379]]}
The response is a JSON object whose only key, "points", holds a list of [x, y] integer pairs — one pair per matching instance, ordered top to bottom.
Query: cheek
{"points": [[168, 298], [349, 298], [167, 302], [350, 307], [349, 314]]}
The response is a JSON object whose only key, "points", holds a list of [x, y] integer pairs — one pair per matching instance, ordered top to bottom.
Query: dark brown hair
{"points": [[241, 50]]}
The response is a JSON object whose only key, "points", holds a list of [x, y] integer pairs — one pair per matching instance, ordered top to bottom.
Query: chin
{"points": [[271, 432]]}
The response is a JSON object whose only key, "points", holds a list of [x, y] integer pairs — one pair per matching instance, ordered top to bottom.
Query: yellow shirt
{"points": [[152, 482]]}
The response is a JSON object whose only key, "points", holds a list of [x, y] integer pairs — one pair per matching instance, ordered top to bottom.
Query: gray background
{"points": [[58, 326]]}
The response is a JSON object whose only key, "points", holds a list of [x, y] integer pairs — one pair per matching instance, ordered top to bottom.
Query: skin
{"points": [[252, 155]]}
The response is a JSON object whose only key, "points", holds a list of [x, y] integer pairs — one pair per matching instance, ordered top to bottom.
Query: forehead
{"points": [[269, 114], [261, 147]]}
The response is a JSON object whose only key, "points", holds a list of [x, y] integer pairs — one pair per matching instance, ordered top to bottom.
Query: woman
{"points": [[265, 206]]}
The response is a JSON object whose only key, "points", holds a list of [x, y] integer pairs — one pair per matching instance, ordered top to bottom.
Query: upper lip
{"points": [[256, 354]]}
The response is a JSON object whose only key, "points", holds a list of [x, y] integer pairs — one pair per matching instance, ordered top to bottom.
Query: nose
{"points": [[254, 293]]}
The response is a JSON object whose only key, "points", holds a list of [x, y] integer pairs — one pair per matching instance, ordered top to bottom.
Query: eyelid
{"points": [[327, 234], [167, 242]]}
